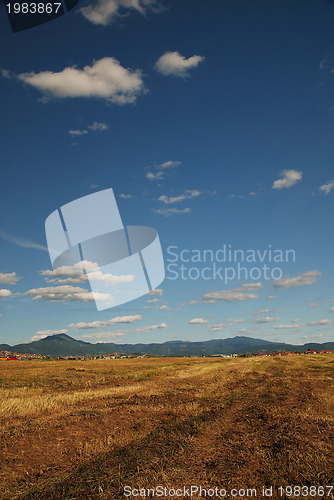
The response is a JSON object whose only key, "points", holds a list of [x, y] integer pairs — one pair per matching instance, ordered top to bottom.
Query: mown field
{"points": [[78, 430]]}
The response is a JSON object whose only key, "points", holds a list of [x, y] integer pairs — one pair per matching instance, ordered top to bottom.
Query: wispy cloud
{"points": [[104, 12], [174, 64], [98, 127], [78, 132], [288, 179], [326, 188], [187, 195], [166, 212], [22, 242], [307, 278], [265, 319], [162, 326]]}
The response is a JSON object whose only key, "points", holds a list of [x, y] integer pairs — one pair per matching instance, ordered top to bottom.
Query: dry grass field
{"points": [[77, 430]]}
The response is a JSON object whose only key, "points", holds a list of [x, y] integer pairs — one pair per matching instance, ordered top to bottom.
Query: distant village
{"points": [[18, 356]]}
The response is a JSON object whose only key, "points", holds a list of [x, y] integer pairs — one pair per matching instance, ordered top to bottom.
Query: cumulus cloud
{"points": [[104, 12], [173, 63], [105, 79], [168, 164], [288, 179], [326, 188], [188, 194], [125, 196], [166, 212], [9, 278], [307, 278], [5, 293], [67, 293], [234, 295], [270, 297], [153, 300], [164, 308], [197, 321], [104, 324], [162, 326]]}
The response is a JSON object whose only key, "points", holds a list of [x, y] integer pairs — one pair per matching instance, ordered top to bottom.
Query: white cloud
{"points": [[103, 12], [173, 63], [5, 73], [105, 79], [100, 127], [78, 132], [168, 164], [154, 176], [288, 179], [327, 187], [188, 194], [125, 196], [166, 212], [22, 242], [75, 275], [9, 278], [307, 278], [249, 287], [156, 291], [5, 293], [67, 293], [229, 296], [270, 297], [153, 300], [312, 304], [164, 308], [332, 309], [261, 311], [266, 319], [239, 320], [197, 321], [322, 322], [104, 324], [162, 326], [286, 327], [216, 328], [245, 330], [41, 334], [105, 335]]}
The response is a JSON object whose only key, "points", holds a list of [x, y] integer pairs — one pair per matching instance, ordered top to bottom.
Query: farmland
{"points": [[86, 429]]}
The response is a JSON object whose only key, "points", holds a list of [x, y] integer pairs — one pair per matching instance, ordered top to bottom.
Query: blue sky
{"points": [[213, 123]]}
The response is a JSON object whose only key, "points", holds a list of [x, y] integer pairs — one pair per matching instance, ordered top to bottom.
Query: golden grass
{"points": [[84, 429]]}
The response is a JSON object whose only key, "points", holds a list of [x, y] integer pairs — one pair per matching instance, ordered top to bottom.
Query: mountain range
{"points": [[64, 345]]}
